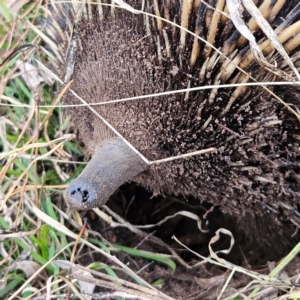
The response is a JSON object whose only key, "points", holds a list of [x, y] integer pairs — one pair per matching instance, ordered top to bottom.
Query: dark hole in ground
{"points": [[137, 206]]}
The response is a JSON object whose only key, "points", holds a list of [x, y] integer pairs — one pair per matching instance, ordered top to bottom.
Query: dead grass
{"points": [[39, 253]]}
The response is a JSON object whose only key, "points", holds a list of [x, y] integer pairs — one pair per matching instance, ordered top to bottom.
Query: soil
{"points": [[137, 206]]}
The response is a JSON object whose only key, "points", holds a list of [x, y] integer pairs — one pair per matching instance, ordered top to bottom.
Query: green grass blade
{"points": [[148, 255], [11, 285]]}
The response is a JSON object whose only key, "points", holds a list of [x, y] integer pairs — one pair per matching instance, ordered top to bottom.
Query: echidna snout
{"points": [[112, 164], [81, 193]]}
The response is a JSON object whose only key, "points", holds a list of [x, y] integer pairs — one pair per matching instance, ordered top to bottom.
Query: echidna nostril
{"points": [[85, 196]]}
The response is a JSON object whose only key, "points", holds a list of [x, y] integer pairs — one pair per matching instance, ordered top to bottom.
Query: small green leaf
{"points": [[4, 11], [23, 88], [72, 147], [22, 165], [48, 208], [44, 241], [101, 244], [43, 249], [51, 250], [148, 255], [41, 260], [99, 266], [158, 282], [11, 285], [28, 293]]}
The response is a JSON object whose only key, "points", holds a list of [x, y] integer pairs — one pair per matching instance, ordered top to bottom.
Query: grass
{"points": [[39, 253]]}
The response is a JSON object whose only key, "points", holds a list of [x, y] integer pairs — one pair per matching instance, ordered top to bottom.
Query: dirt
{"points": [[204, 281]]}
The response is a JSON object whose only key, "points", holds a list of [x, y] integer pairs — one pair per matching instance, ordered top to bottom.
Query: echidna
{"points": [[114, 53]]}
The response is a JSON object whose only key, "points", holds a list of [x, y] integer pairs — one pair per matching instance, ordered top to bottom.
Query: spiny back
{"points": [[121, 54]]}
